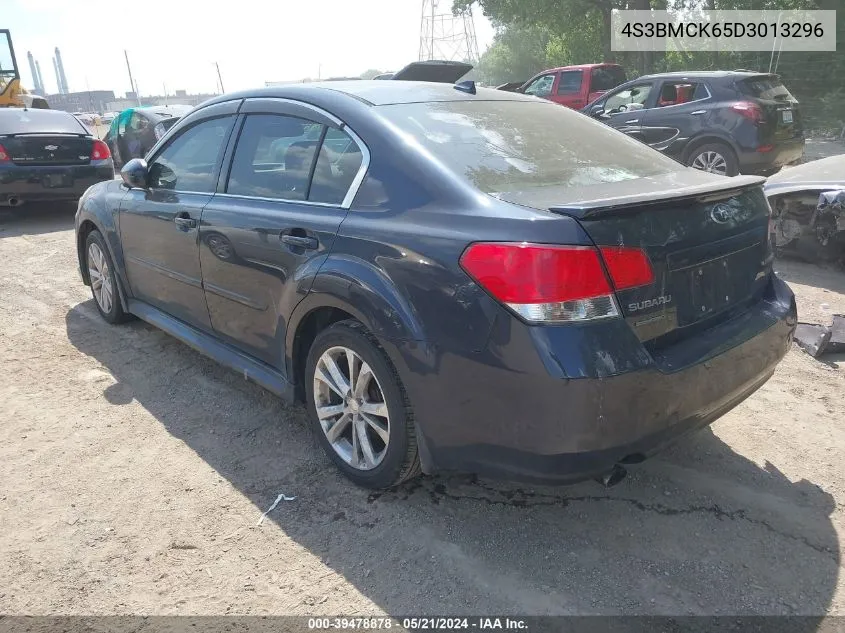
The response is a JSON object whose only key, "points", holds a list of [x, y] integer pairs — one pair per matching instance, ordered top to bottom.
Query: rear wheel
{"points": [[716, 158], [103, 278], [360, 412]]}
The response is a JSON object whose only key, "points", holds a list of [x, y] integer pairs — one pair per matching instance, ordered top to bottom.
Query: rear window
{"points": [[606, 78], [770, 88], [36, 121], [507, 145]]}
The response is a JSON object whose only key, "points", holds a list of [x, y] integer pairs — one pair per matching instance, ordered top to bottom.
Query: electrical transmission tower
{"points": [[446, 36]]}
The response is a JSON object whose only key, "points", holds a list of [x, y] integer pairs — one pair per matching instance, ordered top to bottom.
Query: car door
{"points": [[568, 90], [624, 109], [682, 111], [159, 225], [266, 234]]}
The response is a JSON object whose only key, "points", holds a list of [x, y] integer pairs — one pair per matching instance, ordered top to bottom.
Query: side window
{"points": [[606, 78], [570, 82], [541, 87], [678, 92], [700, 92], [627, 100], [274, 157], [339, 160], [189, 162]]}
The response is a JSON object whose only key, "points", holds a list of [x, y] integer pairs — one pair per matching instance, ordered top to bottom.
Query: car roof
{"points": [[576, 67], [705, 74], [374, 92]]}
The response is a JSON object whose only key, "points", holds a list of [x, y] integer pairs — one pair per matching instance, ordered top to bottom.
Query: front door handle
{"points": [[699, 112], [632, 121], [184, 221], [300, 241]]}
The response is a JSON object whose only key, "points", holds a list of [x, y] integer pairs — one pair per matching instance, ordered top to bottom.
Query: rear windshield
{"points": [[769, 88], [36, 121], [504, 146]]}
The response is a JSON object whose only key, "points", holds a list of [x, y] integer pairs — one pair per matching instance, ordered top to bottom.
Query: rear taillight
{"points": [[749, 110], [100, 151], [4, 155], [628, 267], [546, 283]]}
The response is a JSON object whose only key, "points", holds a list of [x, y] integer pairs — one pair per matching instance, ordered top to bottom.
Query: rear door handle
{"points": [[699, 112], [632, 121], [184, 221], [300, 241]]}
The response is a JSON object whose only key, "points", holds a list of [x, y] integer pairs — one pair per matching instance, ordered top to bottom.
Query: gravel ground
{"points": [[133, 473]]}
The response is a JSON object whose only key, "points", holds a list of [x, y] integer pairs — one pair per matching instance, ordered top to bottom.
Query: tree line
{"points": [[532, 35]]}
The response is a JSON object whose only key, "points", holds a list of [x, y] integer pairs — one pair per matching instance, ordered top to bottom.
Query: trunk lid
{"points": [[48, 149], [706, 238]]}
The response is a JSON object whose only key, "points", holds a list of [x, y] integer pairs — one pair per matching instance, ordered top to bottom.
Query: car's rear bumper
{"points": [[783, 153], [47, 184], [513, 411]]}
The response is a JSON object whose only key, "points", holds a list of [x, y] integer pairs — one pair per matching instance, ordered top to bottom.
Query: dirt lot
{"points": [[133, 472]]}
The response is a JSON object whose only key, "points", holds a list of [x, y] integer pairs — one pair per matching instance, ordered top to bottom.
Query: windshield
{"points": [[8, 68], [19, 121], [511, 145]]}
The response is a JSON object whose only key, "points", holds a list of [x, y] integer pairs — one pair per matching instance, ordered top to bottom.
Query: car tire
{"points": [[712, 155], [102, 274], [374, 403]]}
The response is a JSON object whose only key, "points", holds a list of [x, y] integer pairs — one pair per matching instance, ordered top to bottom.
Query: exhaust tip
{"points": [[13, 201], [612, 477]]}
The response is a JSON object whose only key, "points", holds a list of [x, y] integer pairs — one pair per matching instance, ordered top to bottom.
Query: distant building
{"points": [[181, 97], [88, 101]]}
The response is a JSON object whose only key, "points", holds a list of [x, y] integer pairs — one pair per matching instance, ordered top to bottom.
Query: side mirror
{"points": [[597, 110], [135, 173]]}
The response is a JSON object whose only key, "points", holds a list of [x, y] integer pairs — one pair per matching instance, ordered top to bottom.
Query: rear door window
{"points": [[570, 82], [677, 92], [274, 157], [337, 165]]}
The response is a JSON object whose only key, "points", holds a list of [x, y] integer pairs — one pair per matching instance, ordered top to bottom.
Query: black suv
{"points": [[719, 121]]}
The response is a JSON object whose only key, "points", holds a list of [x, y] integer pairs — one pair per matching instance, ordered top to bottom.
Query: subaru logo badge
{"points": [[722, 213]]}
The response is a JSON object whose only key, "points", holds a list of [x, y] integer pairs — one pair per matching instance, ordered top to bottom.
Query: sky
{"points": [[174, 43]]}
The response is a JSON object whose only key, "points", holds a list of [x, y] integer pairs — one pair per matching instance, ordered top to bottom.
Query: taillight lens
{"points": [[749, 110], [100, 151], [4, 155], [628, 267], [546, 283]]}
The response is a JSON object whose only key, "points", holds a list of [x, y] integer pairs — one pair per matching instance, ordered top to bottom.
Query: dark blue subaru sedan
{"points": [[449, 278]]}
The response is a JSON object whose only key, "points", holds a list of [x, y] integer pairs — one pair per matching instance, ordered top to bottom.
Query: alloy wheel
{"points": [[711, 161], [101, 281], [351, 408]]}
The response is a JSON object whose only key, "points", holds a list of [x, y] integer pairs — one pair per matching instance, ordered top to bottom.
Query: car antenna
{"points": [[466, 86]]}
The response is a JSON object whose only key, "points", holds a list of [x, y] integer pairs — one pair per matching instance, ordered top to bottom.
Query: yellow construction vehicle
{"points": [[12, 93]]}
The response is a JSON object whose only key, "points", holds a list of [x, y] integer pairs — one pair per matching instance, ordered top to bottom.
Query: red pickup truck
{"points": [[574, 86]]}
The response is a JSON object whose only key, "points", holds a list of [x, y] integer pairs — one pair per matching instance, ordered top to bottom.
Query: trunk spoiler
{"points": [[700, 193]]}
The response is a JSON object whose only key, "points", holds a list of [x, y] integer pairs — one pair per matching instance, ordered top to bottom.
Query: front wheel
{"points": [[716, 158], [103, 276], [360, 413]]}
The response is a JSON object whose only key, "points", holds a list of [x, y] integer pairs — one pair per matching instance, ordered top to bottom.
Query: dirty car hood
{"points": [[826, 173]]}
